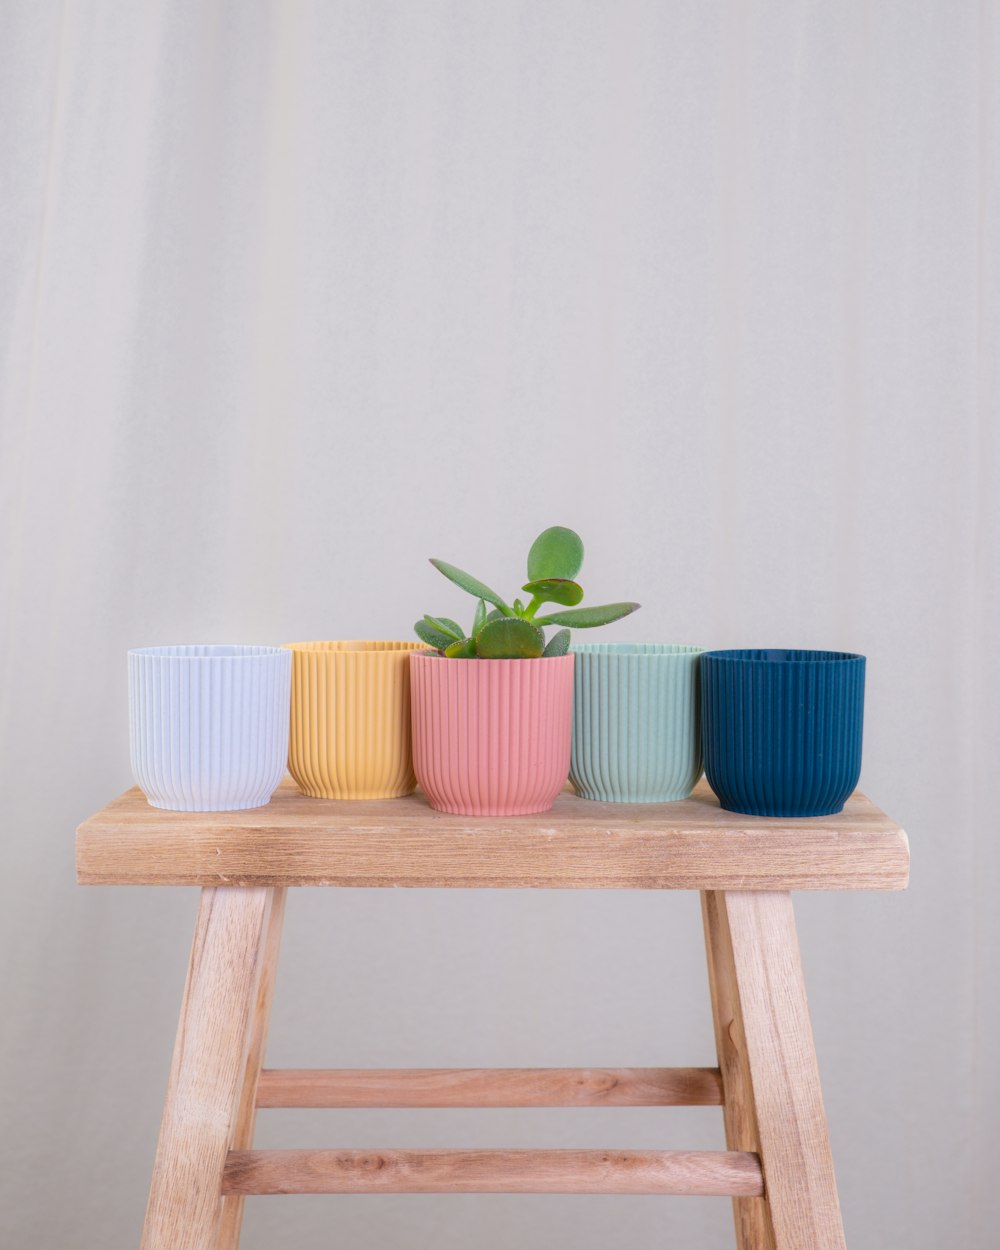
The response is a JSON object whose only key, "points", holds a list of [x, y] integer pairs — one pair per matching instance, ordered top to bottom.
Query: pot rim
{"points": [[353, 646], [650, 650], [208, 651], [427, 654], [782, 655]]}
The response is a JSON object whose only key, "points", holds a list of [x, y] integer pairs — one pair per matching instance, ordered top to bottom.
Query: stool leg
{"points": [[207, 1074], [773, 1102], [232, 1205]]}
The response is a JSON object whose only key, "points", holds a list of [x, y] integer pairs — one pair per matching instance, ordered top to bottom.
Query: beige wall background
{"points": [[296, 295]]}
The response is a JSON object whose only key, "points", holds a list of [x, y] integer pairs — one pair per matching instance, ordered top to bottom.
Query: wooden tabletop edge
{"points": [[303, 842]]}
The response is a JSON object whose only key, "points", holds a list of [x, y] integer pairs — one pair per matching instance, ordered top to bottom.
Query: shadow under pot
{"points": [[636, 721], [350, 722], [208, 725], [782, 729], [491, 737]]}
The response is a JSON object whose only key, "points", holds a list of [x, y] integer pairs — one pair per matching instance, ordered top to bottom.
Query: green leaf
{"points": [[556, 553], [471, 584], [556, 590], [518, 608], [497, 615], [480, 618], [587, 618], [445, 625], [433, 637], [510, 640], [558, 644], [464, 649]]}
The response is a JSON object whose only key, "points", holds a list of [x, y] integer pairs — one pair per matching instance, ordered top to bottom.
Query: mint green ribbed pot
{"points": [[636, 721]]}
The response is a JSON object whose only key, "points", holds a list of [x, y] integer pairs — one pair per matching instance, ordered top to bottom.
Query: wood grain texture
{"points": [[692, 844], [208, 1070], [491, 1087], [774, 1103], [246, 1114], [492, 1172], [754, 1230]]}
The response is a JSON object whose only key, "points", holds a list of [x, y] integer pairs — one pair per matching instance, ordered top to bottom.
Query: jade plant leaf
{"points": [[556, 553], [471, 584], [556, 590], [587, 618], [445, 625], [502, 631], [433, 637], [510, 640], [558, 644], [464, 649]]}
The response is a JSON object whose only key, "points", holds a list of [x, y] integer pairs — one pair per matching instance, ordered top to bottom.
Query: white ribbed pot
{"points": [[209, 725], [491, 737]]}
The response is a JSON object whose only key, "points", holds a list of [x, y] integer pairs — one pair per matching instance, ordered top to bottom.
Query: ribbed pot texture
{"points": [[350, 721], [636, 722], [208, 725], [782, 729], [492, 737]]}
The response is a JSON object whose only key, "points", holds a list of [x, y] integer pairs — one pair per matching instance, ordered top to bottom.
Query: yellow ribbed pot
{"points": [[350, 726]]}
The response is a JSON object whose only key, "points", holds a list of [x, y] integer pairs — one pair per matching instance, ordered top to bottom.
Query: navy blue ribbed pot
{"points": [[782, 729]]}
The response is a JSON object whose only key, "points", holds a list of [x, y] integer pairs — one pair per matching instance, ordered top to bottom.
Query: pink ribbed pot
{"points": [[491, 737]]}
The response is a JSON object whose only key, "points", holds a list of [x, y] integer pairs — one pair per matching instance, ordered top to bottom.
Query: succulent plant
{"points": [[515, 631]]}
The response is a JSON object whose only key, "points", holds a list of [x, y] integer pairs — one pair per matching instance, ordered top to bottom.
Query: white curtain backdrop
{"points": [[294, 296]]}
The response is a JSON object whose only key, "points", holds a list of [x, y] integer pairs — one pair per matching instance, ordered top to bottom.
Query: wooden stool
{"points": [[777, 1168]]}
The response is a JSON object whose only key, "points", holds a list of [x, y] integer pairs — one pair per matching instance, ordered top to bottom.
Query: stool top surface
{"points": [[580, 844]]}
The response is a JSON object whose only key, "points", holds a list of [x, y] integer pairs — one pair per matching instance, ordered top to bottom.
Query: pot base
{"points": [[361, 796], [677, 796], [219, 807], [460, 810], [779, 813]]}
